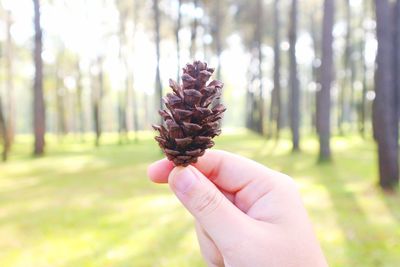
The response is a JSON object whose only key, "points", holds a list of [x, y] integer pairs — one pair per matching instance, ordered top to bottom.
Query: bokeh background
{"points": [[312, 89]]}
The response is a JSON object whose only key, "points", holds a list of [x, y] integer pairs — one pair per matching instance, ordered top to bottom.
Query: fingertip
{"points": [[159, 171]]}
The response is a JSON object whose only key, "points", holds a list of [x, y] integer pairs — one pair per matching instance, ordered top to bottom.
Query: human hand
{"points": [[246, 214]]}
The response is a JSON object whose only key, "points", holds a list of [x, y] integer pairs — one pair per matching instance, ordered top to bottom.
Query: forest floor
{"points": [[80, 206]]}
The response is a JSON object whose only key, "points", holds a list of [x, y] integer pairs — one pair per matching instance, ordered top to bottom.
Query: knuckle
{"points": [[242, 201], [207, 202]]}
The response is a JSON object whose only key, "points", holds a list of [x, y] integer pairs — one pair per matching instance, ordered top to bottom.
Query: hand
{"points": [[246, 214]]}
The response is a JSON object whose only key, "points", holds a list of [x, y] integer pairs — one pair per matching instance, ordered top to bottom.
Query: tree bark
{"points": [[193, 35], [217, 36], [316, 37], [258, 40], [157, 42], [178, 45], [397, 57], [294, 80], [10, 81], [98, 88], [346, 90], [134, 95], [324, 95], [250, 98], [124, 100], [79, 104], [276, 105], [363, 106], [39, 120], [122, 121], [385, 124], [62, 127], [3, 133]]}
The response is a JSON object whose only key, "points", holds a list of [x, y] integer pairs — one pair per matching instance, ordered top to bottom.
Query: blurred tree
{"points": [[156, 14], [217, 18], [254, 27], [193, 35], [178, 46], [397, 55], [316, 63], [353, 68], [10, 78], [63, 84], [60, 90], [346, 91], [324, 95], [97, 96], [124, 97], [127, 99], [79, 100], [135, 102], [294, 102], [276, 105], [363, 106], [39, 121], [385, 121], [259, 125], [3, 133]]}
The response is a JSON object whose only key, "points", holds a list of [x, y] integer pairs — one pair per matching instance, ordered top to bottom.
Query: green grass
{"points": [[81, 206]]}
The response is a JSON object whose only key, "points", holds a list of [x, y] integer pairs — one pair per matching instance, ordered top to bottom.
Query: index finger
{"points": [[228, 171]]}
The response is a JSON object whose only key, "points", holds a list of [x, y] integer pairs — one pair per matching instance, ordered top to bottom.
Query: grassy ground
{"points": [[81, 206]]}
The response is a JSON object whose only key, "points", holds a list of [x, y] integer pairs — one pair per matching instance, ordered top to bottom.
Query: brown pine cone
{"points": [[192, 116]]}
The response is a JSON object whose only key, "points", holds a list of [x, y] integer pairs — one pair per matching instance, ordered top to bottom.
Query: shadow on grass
{"points": [[392, 201], [121, 248]]}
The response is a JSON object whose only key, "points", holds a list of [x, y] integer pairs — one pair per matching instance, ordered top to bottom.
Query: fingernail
{"points": [[182, 179]]}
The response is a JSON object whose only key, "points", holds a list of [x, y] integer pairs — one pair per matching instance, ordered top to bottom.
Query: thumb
{"points": [[215, 213]]}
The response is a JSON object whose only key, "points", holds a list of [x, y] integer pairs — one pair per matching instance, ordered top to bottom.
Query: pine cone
{"points": [[192, 116]]}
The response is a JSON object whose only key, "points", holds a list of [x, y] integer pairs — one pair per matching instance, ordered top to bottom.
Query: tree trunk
{"points": [[193, 35], [217, 36], [258, 40], [157, 41], [178, 45], [397, 57], [316, 65], [294, 80], [10, 81], [97, 88], [346, 90], [134, 95], [324, 95], [250, 98], [60, 99], [124, 100], [79, 104], [276, 106], [363, 106], [146, 109], [384, 112], [39, 120], [122, 121], [3, 133]]}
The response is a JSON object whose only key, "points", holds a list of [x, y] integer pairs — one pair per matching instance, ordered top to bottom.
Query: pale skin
{"points": [[246, 214]]}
